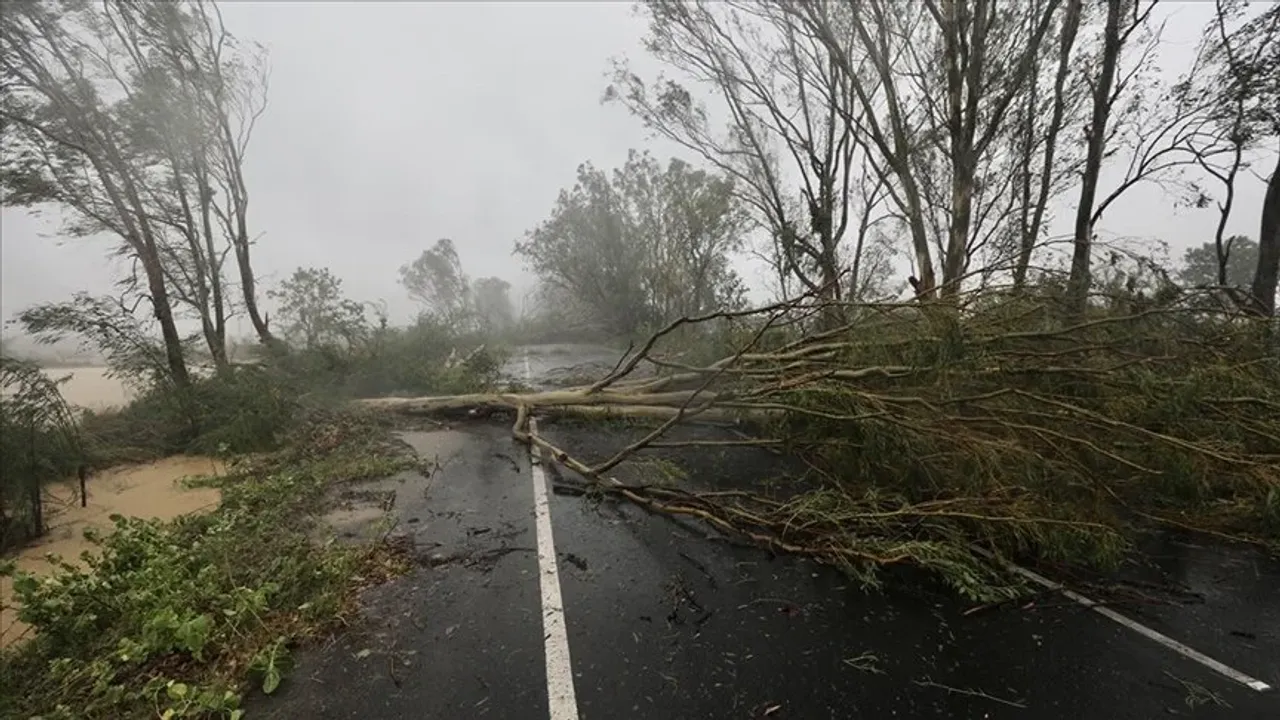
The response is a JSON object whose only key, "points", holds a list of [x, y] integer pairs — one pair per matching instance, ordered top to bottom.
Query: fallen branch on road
{"points": [[996, 420]]}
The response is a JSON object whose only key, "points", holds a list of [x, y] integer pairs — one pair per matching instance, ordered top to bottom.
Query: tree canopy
{"points": [[641, 245], [435, 279]]}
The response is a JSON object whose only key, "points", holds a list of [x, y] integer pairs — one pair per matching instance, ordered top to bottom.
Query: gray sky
{"points": [[391, 125]]}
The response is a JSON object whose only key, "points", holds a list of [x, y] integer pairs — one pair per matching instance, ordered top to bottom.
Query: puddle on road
{"points": [[149, 490], [363, 510], [355, 521]]}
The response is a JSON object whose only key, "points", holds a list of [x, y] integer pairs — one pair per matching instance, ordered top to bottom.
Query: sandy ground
{"points": [[150, 490]]}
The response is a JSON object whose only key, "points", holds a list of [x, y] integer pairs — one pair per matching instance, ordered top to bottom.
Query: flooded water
{"points": [[563, 364], [91, 388], [149, 490]]}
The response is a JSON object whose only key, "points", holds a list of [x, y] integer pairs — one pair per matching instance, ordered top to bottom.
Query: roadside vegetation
{"points": [[144, 138], [1023, 394], [179, 618], [172, 619]]}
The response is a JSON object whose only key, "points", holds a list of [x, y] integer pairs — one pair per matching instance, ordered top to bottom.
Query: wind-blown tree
{"points": [[1224, 81], [818, 91], [201, 92], [110, 113], [1219, 117], [67, 142], [1045, 162], [689, 222], [647, 245], [586, 249], [1202, 266], [436, 280], [491, 305], [552, 312], [313, 313], [108, 325], [39, 442]]}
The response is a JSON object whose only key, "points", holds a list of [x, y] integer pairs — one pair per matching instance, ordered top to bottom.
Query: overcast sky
{"points": [[394, 124]]}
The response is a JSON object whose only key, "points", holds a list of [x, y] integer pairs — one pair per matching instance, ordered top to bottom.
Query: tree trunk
{"points": [[963, 70], [136, 218], [238, 228], [1031, 234], [958, 238], [1082, 246], [1221, 248], [1268, 272], [215, 274], [207, 280], [927, 284], [248, 285], [833, 310], [164, 314]]}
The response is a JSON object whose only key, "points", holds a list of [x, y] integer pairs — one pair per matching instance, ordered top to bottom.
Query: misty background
{"points": [[391, 125]]}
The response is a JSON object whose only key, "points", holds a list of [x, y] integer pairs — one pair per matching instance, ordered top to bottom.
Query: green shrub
{"points": [[245, 408], [242, 409], [39, 442]]}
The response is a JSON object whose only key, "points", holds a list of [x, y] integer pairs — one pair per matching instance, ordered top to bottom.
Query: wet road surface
{"points": [[662, 622]]}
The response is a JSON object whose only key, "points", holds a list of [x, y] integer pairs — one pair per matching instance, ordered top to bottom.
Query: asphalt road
{"points": [[606, 611]]}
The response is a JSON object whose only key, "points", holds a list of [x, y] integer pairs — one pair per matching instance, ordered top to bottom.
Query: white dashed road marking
{"points": [[1165, 640], [561, 700]]}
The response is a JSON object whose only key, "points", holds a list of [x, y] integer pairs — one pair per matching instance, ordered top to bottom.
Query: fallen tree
{"points": [[999, 421]]}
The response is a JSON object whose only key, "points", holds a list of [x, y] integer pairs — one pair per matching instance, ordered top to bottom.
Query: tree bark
{"points": [[964, 68], [1031, 233], [1082, 245], [1268, 273], [164, 314]]}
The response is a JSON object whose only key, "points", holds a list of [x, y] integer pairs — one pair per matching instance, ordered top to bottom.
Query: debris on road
{"points": [[927, 428]]}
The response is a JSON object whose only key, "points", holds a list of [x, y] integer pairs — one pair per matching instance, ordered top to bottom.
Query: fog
{"points": [[391, 125]]}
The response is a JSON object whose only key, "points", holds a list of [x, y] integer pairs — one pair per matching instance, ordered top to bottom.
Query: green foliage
{"points": [[643, 246], [1200, 264], [436, 280], [493, 310], [314, 314], [131, 352], [338, 353], [425, 358], [245, 408], [249, 408], [241, 409], [1004, 422], [1067, 431], [39, 442], [173, 618]]}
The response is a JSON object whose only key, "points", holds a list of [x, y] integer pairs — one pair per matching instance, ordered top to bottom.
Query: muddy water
{"points": [[89, 387], [150, 490]]}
